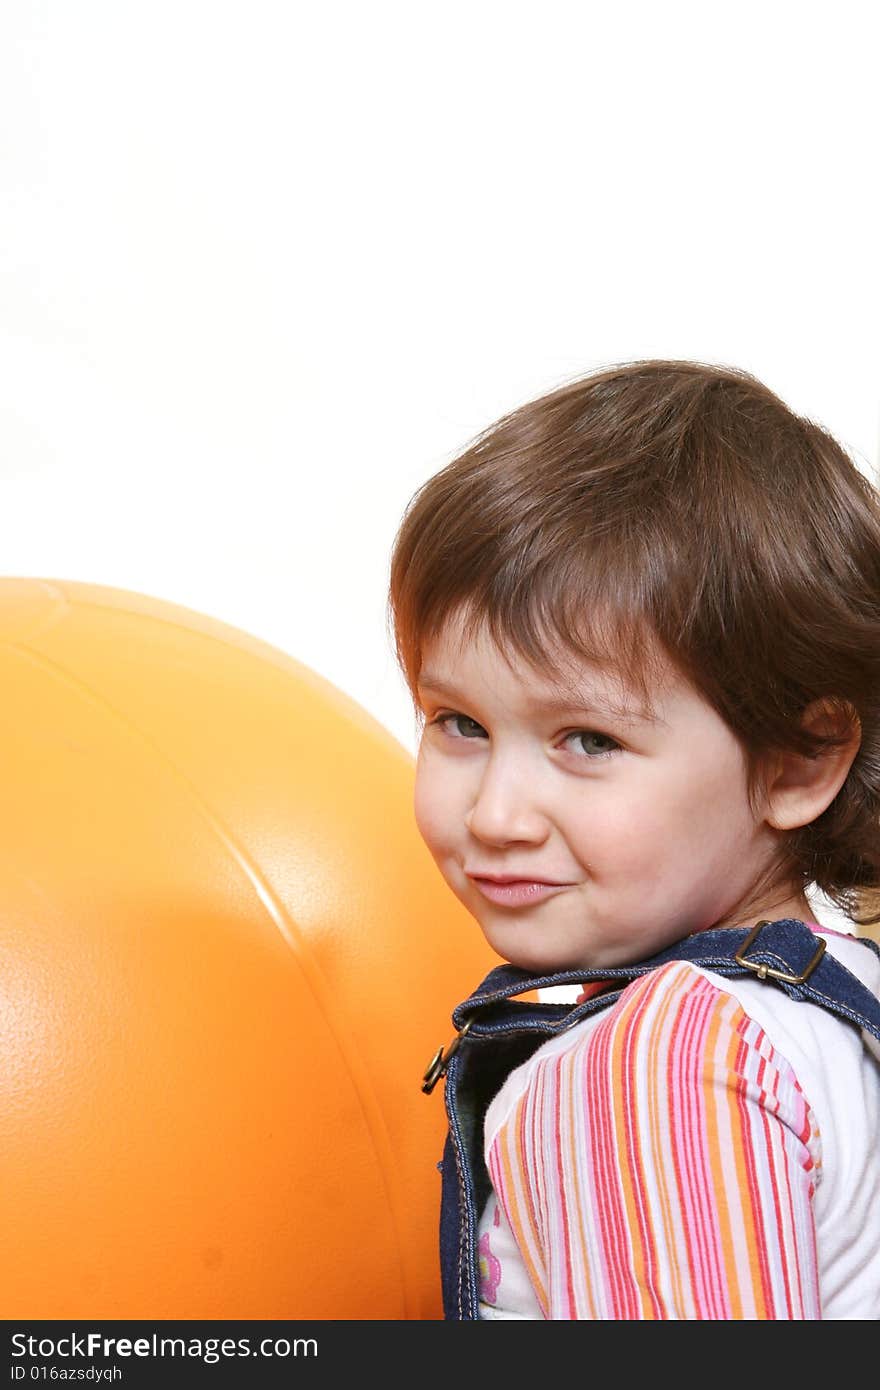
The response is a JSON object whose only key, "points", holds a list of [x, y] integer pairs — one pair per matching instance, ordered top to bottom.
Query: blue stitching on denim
{"points": [[463, 1216]]}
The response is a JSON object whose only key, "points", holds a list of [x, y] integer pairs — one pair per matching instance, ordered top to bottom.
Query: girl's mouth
{"points": [[519, 893]]}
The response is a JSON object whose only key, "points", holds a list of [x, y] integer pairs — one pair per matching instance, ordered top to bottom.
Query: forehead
{"points": [[470, 665]]}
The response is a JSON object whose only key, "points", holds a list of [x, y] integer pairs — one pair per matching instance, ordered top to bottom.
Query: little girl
{"points": [[640, 621]]}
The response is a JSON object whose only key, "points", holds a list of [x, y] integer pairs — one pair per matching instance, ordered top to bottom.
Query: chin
{"points": [[523, 959], [533, 961]]}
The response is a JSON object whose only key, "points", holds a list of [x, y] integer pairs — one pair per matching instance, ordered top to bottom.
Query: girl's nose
{"points": [[506, 809]]}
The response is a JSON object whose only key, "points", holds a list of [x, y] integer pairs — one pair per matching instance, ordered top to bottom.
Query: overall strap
{"points": [[786, 953]]}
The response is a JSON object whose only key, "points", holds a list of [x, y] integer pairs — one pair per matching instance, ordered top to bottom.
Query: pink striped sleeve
{"points": [[664, 1165]]}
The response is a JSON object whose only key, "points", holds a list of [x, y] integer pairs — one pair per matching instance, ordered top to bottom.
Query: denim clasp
{"points": [[763, 970], [440, 1061]]}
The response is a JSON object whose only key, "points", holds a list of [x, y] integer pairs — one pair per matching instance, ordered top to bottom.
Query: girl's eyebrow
{"points": [[592, 704]]}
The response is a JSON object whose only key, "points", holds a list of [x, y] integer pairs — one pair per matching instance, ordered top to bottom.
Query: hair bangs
{"points": [[571, 609]]}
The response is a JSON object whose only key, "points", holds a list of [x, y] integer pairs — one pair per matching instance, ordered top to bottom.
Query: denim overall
{"points": [[497, 1034]]}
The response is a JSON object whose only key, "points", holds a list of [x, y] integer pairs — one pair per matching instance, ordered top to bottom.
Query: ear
{"points": [[800, 787]]}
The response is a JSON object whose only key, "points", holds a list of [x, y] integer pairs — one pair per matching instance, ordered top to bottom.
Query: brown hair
{"points": [[685, 503]]}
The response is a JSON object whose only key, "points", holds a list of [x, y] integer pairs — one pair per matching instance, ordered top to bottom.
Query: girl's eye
{"points": [[445, 721], [587, 742], [594, 744]]}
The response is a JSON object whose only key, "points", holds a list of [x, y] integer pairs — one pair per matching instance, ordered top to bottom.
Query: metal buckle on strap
{"points": [[764, 972], [440, 1061]]}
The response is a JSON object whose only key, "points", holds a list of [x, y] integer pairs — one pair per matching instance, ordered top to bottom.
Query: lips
{"points": [[515, 878], [517, 892]]}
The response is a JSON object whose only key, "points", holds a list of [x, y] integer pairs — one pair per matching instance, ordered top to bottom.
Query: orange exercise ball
{"points": [[226, 960]]}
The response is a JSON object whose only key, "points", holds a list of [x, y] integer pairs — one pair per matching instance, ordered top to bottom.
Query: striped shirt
{"points": [[664, 1159]]}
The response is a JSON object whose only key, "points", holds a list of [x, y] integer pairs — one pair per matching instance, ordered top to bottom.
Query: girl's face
{"points": [[639, 828]]}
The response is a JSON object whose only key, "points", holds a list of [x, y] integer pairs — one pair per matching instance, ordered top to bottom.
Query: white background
{"points": [[266, 266]]}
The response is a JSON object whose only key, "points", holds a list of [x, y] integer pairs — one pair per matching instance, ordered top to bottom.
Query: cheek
{"points": [[430, 804], [698, 806], [660, 811]]}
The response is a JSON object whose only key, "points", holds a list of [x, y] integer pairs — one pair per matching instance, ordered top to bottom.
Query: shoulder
{"points": [[681, 1016], [681, 1026], [670, 1032], [816, 1041], [835, 1063]]}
